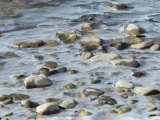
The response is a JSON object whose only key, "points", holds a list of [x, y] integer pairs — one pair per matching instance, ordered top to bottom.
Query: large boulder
{"points": [[116, 5], [131, 29], [66, 38], [130, 40], [91, 43], [143, 45], [105, 57], [125, 62], [37, 81], [124, 84], [145, 91], [48, 108]]}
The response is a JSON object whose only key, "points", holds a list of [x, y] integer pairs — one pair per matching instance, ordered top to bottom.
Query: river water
{"points": [[43, 23]]}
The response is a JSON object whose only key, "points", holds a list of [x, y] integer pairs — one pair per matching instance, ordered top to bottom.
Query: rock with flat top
{"points": [[145, 44], [155, 47], [105, 57], [125, 62], [145, 91], [70, 103]]}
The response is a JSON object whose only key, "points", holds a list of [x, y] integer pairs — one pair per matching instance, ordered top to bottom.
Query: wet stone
{"points": [[118, 6], [131, 40], [51, 43], [118, 44], [10, 54], [86, 55], [39, 57], [20, 63], [50, 64], [44, 71], [72, 71], [138, 74], [19, 76], [95, 81], [124, 84], [69, 86], [93, 91], [119, 91], [146, 91], [81, 95], [17, 96], [124, 96], [3, 97], [107, 100], [8, 101], [58, 101], [132, 101], [29, 104], [68, 104], [48, 108], [124, 110], [82, 112], [113, 112], [9, 114]]}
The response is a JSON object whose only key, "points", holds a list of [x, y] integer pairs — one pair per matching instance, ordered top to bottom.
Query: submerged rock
{"points": [[116, 5], [90, 26], [131, 29], [66, 38], [131, 40], [51, 43], [91, 43], [30, 44], [118, 44], [145, 44], [10, 54], [105, 57], [125, 62], [37, 81], [124, 84], [93, 91], [145, 91], [17, 96], [107, 100], [68, 104], [48, 108]]}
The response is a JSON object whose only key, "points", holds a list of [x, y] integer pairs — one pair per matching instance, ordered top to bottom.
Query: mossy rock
{"points": [[66, 38], [51, 43], [31, 44], [118, 44], [124, 110]]}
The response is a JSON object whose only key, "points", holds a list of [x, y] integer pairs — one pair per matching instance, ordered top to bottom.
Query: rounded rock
{"points": [[50, 64], [124, 84], [70, 103], [48, 108]]}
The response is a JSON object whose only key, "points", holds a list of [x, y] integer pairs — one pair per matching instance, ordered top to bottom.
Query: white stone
{"points": [[132, 27], [91, 39], [142, 45], [155, 47], [105, 57], [36, 81], [124, 84], [144, 91], [70, 103], [47, 108]]}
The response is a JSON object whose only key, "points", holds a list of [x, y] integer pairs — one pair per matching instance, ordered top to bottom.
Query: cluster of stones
{"points": [[90, 45]]}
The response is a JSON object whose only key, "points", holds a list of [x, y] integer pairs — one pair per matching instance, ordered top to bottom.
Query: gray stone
{"points": [[131, 40], [145, 44], [155, 47], [105, 57], [125, 62], [124, 84], [93, 91], [145, 91], [70, 103], [48, 108]]}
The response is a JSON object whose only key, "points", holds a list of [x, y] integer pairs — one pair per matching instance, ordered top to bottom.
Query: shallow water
{"points": [[43, 23]]}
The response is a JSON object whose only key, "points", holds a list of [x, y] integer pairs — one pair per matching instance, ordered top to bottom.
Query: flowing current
{"points": [[42, 23]]}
